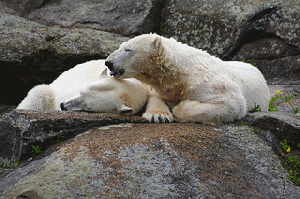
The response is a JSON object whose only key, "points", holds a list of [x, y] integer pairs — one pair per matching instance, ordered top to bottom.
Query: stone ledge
{"points": [[22, 128]]}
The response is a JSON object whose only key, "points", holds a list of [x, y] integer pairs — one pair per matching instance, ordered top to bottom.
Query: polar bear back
{"points": [[198, 64], [76, 79]]}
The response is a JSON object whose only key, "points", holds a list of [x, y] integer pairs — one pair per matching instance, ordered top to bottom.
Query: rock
{"points": [[19, 7], [6, 10], [124, 17], [262, 32], [33, 54], [282, 125], [22, 129], [155, 161]]}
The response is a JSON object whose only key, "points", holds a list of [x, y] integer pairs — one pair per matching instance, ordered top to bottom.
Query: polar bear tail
{"points": [[40, 97]]}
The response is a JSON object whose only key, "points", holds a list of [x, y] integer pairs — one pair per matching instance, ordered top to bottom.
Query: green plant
{"points": [[253, 64], [287, 99], [272, 107], [257, 108], [242, 124], [255, 130], [60, 137], [285, 146], [36, 150], [292, 163], [9, 166], [293, 176]]}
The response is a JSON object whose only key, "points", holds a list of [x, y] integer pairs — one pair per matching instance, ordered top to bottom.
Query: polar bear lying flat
{"points": [[91, 76], [197, 87], [110, 95]]}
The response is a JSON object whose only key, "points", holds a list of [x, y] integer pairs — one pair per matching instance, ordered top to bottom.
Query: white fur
{"points": [[66, 86], [197, 87], [105, 93], [111, 95], [40, 97]]}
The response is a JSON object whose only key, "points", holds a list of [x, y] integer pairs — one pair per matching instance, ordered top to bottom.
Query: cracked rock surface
{"points": [[155, 161]]}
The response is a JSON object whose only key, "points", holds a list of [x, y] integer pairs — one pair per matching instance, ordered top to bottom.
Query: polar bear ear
{"points": [[157, 43], [105, 72], [125, 109]]}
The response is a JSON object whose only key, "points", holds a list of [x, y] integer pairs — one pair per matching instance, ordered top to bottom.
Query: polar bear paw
{"points": [[158, 117]]}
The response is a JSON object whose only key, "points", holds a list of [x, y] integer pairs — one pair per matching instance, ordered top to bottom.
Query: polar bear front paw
{"points": [[158, 117]]}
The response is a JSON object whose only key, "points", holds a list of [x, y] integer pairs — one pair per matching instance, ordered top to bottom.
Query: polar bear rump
{"points": [[40, 97]]}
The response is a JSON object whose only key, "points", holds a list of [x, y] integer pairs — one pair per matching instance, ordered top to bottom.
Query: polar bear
{"points": [[92, 74], [68, 84], [196, 86], [110, 95]]}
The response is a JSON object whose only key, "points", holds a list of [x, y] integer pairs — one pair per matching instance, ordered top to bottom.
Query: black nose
{"points": [[109, 65], [62, 107]]}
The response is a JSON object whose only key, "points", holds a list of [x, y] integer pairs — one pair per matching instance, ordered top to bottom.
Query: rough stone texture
{"points": [[126, 17], [263, 32], [33, 54], [282, 125], [21, 129], [144, 160], [155, 161]]}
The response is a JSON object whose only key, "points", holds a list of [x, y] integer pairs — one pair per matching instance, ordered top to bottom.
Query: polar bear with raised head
{"points": [[196, 86], [102, 93]]}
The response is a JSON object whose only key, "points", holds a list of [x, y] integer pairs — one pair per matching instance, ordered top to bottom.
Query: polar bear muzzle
{"points": [[114, 71]]}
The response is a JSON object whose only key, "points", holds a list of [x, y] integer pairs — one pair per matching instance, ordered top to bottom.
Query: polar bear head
{"points": [[136, 57], [101, 96]]}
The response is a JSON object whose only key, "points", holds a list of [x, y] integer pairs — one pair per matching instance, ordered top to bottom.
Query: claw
{"points": [[158, 118]]}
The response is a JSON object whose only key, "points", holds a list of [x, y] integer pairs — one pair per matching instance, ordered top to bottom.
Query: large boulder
{"points": [[126, 17], [262, 32], [33, 54], [122, 156], [155, 161]]}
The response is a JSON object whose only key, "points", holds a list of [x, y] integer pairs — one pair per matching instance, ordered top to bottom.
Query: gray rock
{"points": [[124, 17], [262, 32], [33, 54], [282, 125], [21, 129], [155, 161]]}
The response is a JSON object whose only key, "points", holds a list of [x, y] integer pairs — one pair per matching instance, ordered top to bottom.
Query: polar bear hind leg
{"points": [[40, 97], [209, 113]]}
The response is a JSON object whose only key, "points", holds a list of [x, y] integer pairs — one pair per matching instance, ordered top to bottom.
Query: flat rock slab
{"points": [[22, 129], [155, 161]]}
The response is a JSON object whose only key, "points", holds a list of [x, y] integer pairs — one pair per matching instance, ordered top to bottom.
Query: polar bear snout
{"points": [[109, 65], [114, 71], [62, 107]]}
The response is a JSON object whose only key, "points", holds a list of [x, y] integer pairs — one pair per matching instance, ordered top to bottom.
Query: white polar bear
{"points": [[70, 83], [197, 87], [110, 95]]}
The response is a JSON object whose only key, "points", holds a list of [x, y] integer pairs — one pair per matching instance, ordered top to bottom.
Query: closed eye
{"points": [[126, 49]]}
